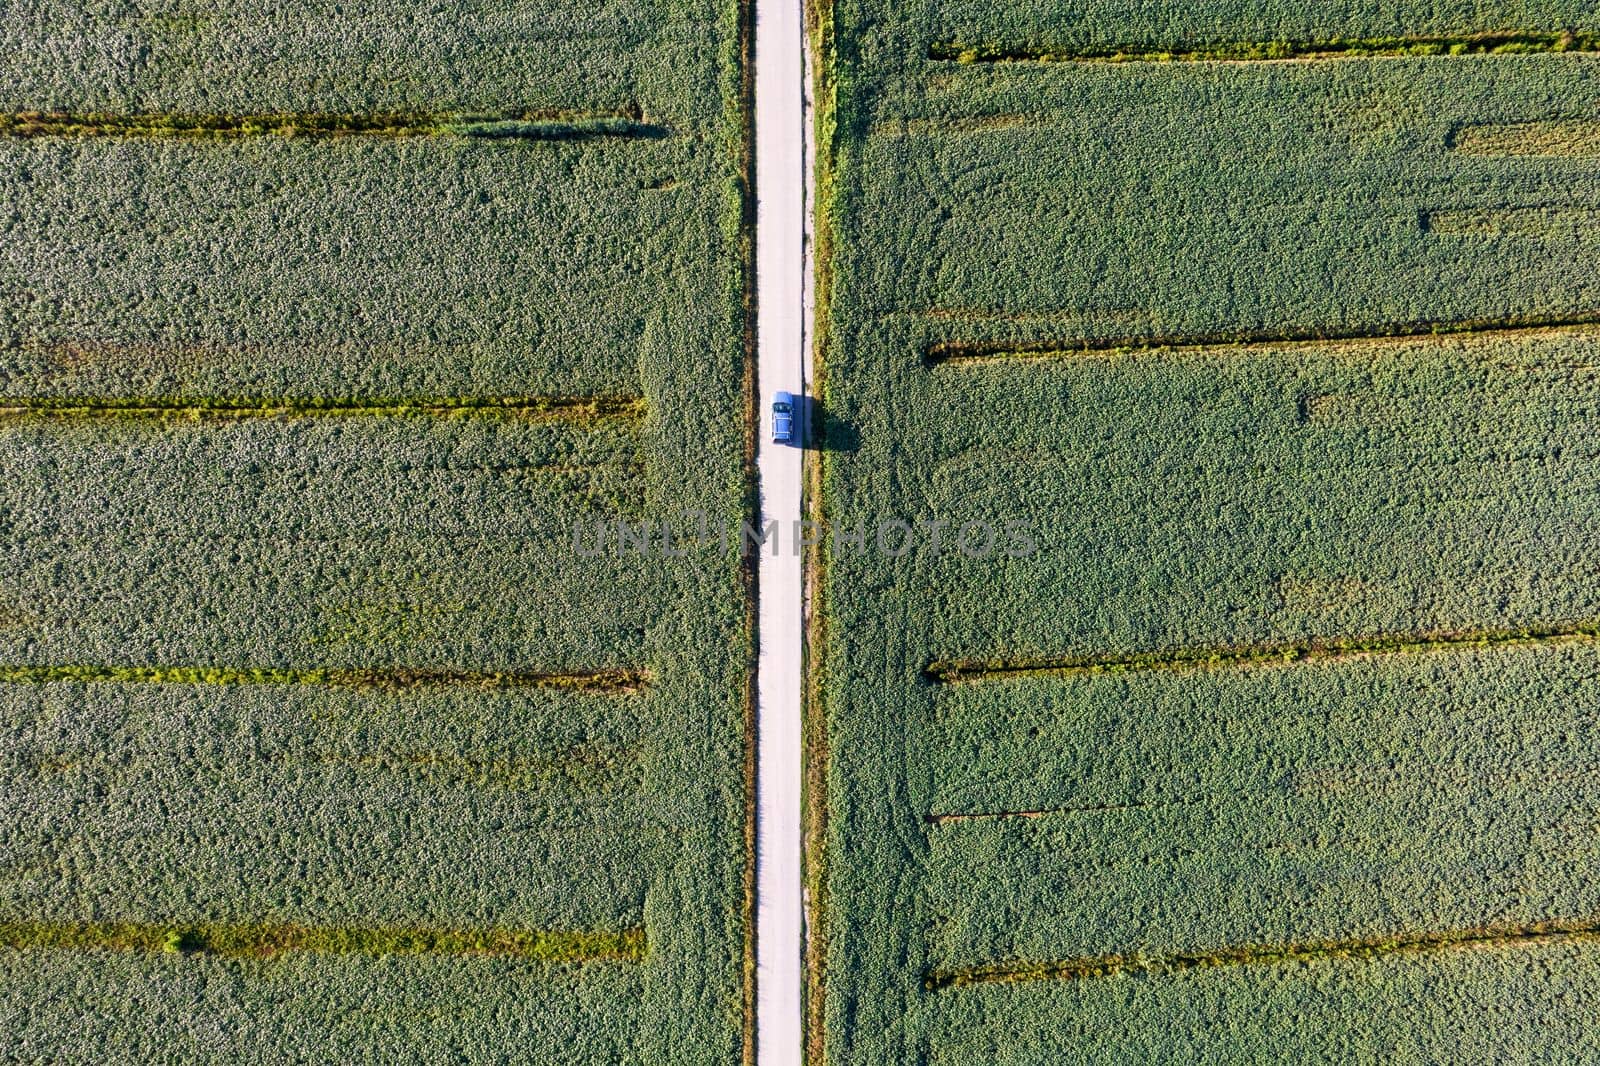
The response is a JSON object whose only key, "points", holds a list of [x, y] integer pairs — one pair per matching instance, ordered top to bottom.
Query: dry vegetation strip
{"points": [[1505, 42], [503, 125], [1573, 138], [1552, 222], [969, 353], [573, 409], [958, 671], [391, 679], [238, 941], [1083, 967]]}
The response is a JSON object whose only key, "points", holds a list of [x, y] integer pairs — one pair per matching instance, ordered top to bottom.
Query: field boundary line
{"points": [[1494, 42], [519, 125], [971, 353], [570, 409], [1283, 653], [391, 679], [262, 941], [1092, 966]]}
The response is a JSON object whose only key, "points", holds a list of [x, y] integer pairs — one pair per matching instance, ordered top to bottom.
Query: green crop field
{"points": [[320, 331], [1267, 338]]}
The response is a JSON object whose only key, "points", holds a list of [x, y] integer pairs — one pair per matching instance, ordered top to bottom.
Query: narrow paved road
{"points": [[782, 272]]}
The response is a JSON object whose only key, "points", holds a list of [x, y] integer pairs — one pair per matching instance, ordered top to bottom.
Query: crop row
{"points": [[1517, 42], [506, 125], [1575, 137], [963, 352], [953, 671], [391, 679], [1320, 781]]}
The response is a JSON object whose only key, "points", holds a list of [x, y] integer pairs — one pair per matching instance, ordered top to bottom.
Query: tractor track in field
{"points": [[507, 125], [959, 353], [1317, 650], [1355, 948]]}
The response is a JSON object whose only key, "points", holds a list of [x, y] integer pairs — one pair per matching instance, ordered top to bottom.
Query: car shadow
{"points": [[823, 431]]}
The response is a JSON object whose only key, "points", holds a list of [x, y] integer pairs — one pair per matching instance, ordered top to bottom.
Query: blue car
{"points": [[783, 412]]}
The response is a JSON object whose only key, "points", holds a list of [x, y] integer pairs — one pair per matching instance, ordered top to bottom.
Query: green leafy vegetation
{"points": [[1552, 138], [320, 332], [1278, 744]]}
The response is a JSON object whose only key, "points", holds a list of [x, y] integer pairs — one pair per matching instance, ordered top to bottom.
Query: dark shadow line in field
{"points": [[1497, 42], [520, 125], [1550, 138], [964, 353], [568, 409], [1329, 649], [389, 679], [263, 941], [1089, 966]]}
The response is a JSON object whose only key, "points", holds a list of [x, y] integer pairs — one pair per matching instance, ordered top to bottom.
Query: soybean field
{"points": [[1273, 330], [321, 332]]}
